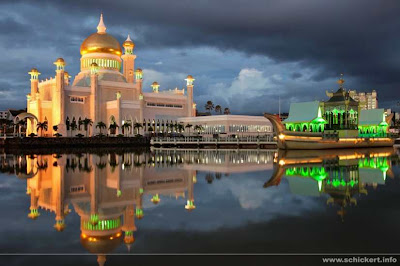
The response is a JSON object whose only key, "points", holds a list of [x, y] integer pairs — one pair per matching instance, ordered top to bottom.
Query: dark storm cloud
{"points": [[356, 37]]}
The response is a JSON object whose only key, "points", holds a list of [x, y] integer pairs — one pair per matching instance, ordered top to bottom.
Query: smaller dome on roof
{"points": [[128, 43], [60, 60], [34, 70], [139, 70], [189, 77], [155, 83]]}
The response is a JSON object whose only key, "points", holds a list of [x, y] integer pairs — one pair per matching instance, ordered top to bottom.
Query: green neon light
{"points": [[102, 225]]}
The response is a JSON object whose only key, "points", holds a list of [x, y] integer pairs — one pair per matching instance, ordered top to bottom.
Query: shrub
{"points": [[80, 135], [120, 135]]}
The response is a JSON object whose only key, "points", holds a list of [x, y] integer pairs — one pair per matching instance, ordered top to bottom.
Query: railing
{"points": [[211, 140]]}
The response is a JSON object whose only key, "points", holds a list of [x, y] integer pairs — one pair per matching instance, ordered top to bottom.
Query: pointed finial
{"points": [[101, 28], [128, 39], [341, 80]]}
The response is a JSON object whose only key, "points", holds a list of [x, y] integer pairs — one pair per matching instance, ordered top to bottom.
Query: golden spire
{"points": [[101, 28]]}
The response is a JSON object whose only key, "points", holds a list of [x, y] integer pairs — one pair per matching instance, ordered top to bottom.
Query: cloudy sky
{"points": [[244, 54]]}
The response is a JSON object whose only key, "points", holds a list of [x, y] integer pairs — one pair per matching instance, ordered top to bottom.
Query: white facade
{"points": [[240, 125]]}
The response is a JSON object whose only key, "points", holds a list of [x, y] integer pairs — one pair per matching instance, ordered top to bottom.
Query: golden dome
{"points": [[101, 43], [128, 43], [60, 60], [34, 70], [139, 70], [189, 77], [155, 83], [101, 244]]}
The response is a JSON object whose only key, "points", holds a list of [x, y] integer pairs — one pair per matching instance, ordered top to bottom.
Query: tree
{"points": [[209, 106], [218, 109], [227, 111], [87, 122], [80, 123], [101, 125], [42, 126], [73, 126], [137, 126], [189, 126], [113, 127], [126, 127], [198, 128], [150, 129], [209, 178]]}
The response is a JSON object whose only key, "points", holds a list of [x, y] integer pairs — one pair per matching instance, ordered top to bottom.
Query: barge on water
{"points": [[339, 122]]}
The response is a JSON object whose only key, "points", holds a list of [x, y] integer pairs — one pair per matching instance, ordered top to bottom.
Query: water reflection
{"points": [[341, 174], [107, 190]]}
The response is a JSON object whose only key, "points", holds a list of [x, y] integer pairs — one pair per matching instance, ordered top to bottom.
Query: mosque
{"points": [[101, 92]]}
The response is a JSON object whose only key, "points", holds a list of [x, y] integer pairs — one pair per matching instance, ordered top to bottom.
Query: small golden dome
{"points": [[101, 43], [128, 43], [60, 60], [34, 70], [139, 70], [189, 77], [155, 83], [101, 244]]}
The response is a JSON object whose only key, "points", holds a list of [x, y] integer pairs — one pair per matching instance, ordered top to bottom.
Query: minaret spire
{"points": [[101, 28], [128, 39]]}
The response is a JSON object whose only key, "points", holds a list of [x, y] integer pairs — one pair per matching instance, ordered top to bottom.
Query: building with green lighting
{"points": [[341, 115]]}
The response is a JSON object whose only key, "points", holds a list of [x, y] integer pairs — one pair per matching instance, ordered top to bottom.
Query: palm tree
{"points": [[209, 106], [218, 109], [227, 111], [87, 122], [80, 123], [101, 125], [42, 126], [73, 126], [136, 126], [189, 126], [113, 127], [126, 127], [180, 128], [198, 128], [150, 129], [209, 178]]}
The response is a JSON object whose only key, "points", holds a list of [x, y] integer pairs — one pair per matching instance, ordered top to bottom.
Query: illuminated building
{"points": [[101, 93], [367, 100], [340, 114]]}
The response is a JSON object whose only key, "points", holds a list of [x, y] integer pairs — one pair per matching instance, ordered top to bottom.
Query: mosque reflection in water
{"points": [[107, 190]]}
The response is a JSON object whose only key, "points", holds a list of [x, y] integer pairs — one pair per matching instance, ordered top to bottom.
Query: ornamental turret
{"points": [[129, 60], [34, 82], [155, 86], [191, 107]]}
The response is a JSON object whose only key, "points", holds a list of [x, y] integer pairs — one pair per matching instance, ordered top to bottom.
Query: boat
{"points": [[339, 122], [297, 140]]}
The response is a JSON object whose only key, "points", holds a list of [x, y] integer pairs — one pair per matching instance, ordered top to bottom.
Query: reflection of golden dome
{"points": [[101, 43], [101, 244]]}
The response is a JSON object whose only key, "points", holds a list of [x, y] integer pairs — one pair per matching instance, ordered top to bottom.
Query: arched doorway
{"points": [[31, 120]]}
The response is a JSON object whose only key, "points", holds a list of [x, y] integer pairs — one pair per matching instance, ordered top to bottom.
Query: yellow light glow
{"points": [[281, 136], [281, 162]]}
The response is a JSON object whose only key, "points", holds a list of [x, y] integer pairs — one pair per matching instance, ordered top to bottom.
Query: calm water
{"points": [[190, 201]]}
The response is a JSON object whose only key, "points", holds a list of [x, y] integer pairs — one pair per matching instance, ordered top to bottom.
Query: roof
{"points": [[16, 112], [303, 112], [371, 117]]}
